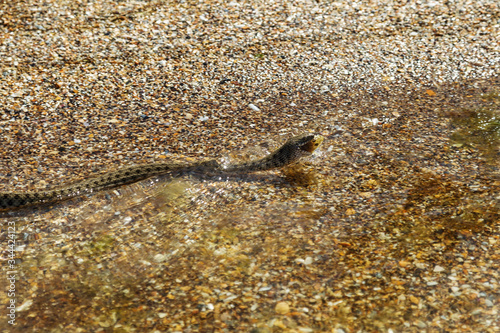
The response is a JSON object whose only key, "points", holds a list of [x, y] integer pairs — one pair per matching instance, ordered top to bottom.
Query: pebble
{"points": [[253, 107], [160, 258], [438, 269], [25, 305], [282, 308]]}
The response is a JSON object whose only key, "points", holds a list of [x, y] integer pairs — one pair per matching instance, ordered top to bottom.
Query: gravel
{"points": [[391, 226]]}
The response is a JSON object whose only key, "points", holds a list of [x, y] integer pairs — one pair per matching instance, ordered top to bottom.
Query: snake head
{"points": [[308, 142], [290, 152]]}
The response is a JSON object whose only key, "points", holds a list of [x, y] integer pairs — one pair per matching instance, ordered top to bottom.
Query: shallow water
{"points": [[365, 234]]}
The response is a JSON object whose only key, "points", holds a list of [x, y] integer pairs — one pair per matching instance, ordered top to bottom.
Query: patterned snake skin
{"points": [[294, 149]]}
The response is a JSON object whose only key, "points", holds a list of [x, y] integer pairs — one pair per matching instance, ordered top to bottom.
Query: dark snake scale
{"points": [[290, 152]]}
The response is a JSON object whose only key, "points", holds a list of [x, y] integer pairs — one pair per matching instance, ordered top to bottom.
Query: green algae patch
{"points": [[479, 128], [101, 245]]}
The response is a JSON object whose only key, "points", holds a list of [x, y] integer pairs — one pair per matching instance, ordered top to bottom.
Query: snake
{"points": [[289, 153]]}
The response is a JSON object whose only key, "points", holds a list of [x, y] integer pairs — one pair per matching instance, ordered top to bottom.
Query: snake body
{"points": [[290, 152]]}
